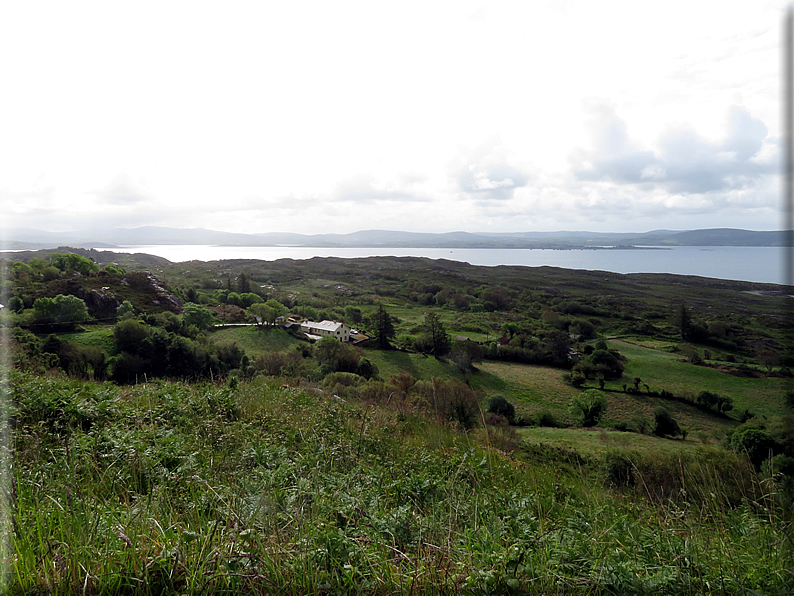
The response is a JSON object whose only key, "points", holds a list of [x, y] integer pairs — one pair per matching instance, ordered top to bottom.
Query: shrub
{"points": [[64, 311], [200, 316], [451, 399], [499, 405], [590, 405], [546, 418], [665, 425], [756, 443], [618, 470]]}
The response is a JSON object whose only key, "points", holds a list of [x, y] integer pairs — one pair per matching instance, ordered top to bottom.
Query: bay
{"points": [[746, 263]]}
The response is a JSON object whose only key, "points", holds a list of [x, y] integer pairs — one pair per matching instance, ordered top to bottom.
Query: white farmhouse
{"points": [[332, 328]]}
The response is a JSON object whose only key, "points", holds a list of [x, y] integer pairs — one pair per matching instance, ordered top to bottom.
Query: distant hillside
{"points": [[718, 237], [27, 239]]}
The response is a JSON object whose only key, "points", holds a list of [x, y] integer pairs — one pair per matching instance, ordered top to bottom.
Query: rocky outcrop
{"points": [[164, 298], [99, 302]]}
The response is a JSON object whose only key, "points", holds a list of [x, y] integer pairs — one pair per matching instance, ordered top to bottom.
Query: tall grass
{"points": [[171, 488]]}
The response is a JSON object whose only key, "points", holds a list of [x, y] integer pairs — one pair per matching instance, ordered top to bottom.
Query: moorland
{"points": [[499, 430]]}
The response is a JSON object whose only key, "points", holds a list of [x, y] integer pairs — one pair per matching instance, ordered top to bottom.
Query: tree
{"points": [[73, 263], [243, 284], [249, 298], [15, 304], [125, 309], [63, 310], [281, 310], [263, 314], [352, 314], [198, 315], [683, 322], [383, 326], [511, 329], [130, 335], [439, 340], [465, 353], [334, 356], [768, 358], [367, 368], [451, 399], [499, 405], [591, 405], [664, 424], [757, 443]]}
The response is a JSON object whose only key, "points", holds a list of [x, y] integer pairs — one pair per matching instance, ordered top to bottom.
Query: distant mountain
{"points": [[721, 237], [28, 239]]}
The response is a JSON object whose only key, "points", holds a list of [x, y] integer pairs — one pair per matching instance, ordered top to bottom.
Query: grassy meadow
{"points": [[208, 489]]}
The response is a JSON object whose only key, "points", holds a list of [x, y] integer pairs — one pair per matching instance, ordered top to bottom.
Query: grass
{"points": [[98, 336], [255, 341], [392, 362], [663, 370], [530, 388], [533, 389], [595, 441], [170, 488]]}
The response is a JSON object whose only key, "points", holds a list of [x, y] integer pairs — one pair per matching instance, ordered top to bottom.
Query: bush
{"points": [[64, 311], [200, 316], [451, 399], [499, 405], [590, 405], [546, 418], [665, 425], [756, 443], [618, 470]]}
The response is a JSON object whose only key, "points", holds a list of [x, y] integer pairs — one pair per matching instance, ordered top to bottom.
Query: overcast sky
{"points": [[420, 116]]}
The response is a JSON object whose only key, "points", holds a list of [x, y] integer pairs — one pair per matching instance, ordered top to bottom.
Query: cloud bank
{"points": [[684, 162]]}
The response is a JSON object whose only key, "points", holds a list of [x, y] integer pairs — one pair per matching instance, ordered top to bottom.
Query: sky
{"points": [[426, 116]]}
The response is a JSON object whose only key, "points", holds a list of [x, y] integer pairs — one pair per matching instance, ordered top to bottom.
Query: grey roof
{"points": [[327, 325]]}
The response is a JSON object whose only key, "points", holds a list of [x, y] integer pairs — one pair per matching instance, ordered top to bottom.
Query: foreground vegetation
{"points": [[263, 488]]}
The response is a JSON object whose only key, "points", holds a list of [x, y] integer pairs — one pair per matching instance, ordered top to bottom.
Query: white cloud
{"points": [[684, 161], [486, 173]]}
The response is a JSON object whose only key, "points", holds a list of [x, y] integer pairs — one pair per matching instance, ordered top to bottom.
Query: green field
{"points": [[98, 336], [256, 341], [392, 362], [663, 370], [533, 389], [596, 441]]}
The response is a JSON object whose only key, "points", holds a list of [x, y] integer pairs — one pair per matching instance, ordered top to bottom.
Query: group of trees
{"points": [[52, 267], [62, 312], [265, 314], [147, 351], [599, 363], [719, 403]]}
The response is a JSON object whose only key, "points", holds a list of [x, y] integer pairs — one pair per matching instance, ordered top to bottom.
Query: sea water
{"points": [[747, 263]]}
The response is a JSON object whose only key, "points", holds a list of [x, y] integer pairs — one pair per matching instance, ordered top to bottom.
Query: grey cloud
{"points": [[685, 162], [485, 173], [495, 181], [123, 190], [365, 190]]}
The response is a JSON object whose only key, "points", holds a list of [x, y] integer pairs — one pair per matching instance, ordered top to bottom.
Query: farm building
{"points": [[332, 328]]}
